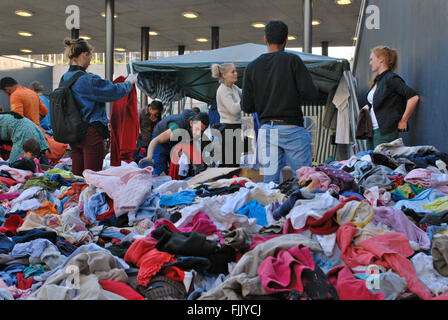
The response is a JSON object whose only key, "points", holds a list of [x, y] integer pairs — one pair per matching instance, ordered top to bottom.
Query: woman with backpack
{"points": [[91, 92]]}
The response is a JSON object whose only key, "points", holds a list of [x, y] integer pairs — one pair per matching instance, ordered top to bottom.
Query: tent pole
{"points": [[144, 45]]}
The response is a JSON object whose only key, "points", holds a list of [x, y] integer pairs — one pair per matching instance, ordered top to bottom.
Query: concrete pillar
{"points": [[308, 26], [215, 38]]}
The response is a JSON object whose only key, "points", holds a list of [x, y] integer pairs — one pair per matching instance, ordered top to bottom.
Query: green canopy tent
{"points": [[173, 78]]}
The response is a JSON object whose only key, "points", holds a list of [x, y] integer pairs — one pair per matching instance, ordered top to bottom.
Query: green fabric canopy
{"points": [[172, 78]]}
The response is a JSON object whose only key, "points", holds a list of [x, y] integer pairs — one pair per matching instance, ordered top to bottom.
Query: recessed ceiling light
{"points": [[343, 2], [23, 13], [103, 14], [190, 15], [316, 22], [258, 25], [153, 33], [25, 34], [85, 37], [291, 38], [355, 38], [201, 40], [120, 49], [26, 50]]}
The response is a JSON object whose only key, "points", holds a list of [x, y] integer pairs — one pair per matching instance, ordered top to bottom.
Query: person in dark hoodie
{"points": [[275, 86], [167, 133]]}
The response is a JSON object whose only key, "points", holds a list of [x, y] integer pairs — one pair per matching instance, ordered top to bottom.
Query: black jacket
{"points": [[275, 85], [390, 100]]}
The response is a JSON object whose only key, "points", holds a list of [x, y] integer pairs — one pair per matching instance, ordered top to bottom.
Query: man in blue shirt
{"points": [[37, 87]]}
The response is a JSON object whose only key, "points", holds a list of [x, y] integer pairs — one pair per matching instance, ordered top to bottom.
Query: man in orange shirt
{"points": [[23, 100]]}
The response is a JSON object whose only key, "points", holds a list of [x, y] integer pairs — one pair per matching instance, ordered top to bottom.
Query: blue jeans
{"points": [[280, 145], [161, 158]]}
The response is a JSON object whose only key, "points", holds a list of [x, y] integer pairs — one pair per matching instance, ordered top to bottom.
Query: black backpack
{"points": [[65, 113]]}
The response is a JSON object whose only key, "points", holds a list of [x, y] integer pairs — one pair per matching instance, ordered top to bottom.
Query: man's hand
{"points": [[403, 125], [145, 162]]}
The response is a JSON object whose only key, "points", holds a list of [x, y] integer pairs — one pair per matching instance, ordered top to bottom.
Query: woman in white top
{"points": [[228, 98]]}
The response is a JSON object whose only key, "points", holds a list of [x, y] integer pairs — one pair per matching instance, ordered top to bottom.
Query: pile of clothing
{"points": [[373, 227]]}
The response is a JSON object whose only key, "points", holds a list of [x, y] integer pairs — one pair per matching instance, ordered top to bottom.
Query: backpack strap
{"points": [[73, 79]]}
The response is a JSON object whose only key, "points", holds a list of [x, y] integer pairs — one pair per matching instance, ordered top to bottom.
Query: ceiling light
{"points": [[343, 2], [23, 13], [103, 14], [190, 15], [316, 22], [258, 25], [153, 33], [25, 34], [85, 37], [291, 38], [355, 38], [201, 40], [120, 49], [26, 50]]}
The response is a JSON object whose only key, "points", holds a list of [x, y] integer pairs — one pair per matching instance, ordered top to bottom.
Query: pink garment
{"points": [[36, 162], [17, 174], [419, 176], [319, 180], [439, 181], [127, 186], [9, 196], [377, 196], [396, 219], [201, 223], [256, 240], [389, 250], [283, 272], [350, 288], [15, 292]]}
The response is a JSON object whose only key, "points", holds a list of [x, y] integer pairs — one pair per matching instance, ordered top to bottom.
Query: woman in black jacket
{"points": [[390, 101]]}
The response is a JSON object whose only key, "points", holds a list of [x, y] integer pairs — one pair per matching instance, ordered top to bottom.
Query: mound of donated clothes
{"points": [[373, 227]]}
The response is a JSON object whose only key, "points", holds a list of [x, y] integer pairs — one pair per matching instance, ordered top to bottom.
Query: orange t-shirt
{"points": [[26, 102]]}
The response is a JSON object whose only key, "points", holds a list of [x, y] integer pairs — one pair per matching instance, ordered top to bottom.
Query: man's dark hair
{"points": [[276, 32], [7, 82], [157, 105], [196, 109], [203, 117], [32, 145]]}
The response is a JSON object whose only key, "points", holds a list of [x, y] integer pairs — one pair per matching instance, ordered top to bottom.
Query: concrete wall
{"points": [[417, 29], [24, 73]]}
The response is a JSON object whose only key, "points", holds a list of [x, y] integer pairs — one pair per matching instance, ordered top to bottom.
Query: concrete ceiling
{"points": [[234, 17]]}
